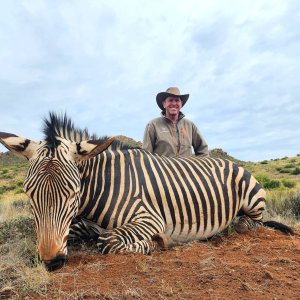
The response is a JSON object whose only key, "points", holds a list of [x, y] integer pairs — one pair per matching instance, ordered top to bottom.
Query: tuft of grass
{"points": [[289, 183], [285, 204], [13, 209], [13, 230], [21, 273]]}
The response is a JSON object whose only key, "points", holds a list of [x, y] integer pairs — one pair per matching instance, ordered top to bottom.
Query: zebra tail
{"points": [[279, 226]]}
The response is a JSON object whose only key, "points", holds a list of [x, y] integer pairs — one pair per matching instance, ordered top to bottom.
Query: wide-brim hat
{"points": [[171, 91]]}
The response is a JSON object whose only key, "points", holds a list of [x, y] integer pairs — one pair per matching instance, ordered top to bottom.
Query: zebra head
{"points": [[53, 185]]}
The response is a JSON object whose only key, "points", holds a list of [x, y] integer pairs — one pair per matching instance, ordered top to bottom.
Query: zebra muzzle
{"points": [[58, 262]]}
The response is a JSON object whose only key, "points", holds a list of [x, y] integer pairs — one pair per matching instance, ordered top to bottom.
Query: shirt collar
{"points": [[181, 115]]}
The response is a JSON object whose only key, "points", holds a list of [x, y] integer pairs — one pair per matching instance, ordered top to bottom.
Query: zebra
{"points": [[128, 199]]}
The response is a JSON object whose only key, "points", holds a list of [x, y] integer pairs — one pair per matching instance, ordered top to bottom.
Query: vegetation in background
{"points": [[284, 204], [20, 272]]}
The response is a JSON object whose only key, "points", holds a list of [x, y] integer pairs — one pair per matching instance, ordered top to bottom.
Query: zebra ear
{"points": [[18, 145], [90, 148]]}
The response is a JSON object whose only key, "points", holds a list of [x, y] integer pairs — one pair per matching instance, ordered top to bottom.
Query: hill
{"points": [[284, 172]]}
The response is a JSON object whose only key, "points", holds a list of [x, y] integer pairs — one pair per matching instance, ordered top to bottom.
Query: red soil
{"points": [[262, 264]]}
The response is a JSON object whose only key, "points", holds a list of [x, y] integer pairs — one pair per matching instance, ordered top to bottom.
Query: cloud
{"points": [[103, 62]]}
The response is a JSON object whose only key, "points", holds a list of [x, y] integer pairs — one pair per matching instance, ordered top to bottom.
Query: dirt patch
{"points": [[263, 264]]}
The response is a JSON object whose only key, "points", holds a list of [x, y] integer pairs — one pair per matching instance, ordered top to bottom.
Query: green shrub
{"points": [[264, 162], [289, 166], [283, 170], [4, 171], [296, 171], [6, 176], [262, 179], [266, 182], [19, 183], [289, 183], [272, 184], [6, 188], [19, 190]]}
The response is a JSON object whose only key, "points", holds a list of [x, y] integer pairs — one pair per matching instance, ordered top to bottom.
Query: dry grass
{"points": [[21, 273]]}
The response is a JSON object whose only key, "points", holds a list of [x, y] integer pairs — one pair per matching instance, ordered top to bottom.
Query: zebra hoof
{"points": [[245, 224], [241, 227], [163, 241]]}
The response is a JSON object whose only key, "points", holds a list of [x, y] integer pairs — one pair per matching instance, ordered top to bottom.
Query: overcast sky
{"points": [[103, 62]]}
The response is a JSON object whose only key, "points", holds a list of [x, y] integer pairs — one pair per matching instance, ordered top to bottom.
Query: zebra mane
{"points": [[59, 125]]}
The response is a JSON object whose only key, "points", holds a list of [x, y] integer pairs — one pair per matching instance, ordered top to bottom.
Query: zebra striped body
{"points": [[187, 198], [129, 200]]}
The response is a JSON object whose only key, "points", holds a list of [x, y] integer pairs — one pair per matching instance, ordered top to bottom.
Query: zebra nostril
{"points": [[56, 263]]}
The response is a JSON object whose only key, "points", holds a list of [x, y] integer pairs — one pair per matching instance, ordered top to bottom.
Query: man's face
{"points": [[172, 105]]}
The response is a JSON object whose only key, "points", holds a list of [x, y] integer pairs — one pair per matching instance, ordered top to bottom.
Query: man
{"points": [[171, 134]]}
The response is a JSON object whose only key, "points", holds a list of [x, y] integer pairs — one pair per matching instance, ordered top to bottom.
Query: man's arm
{"points": [[149, 138], [199, 143]]}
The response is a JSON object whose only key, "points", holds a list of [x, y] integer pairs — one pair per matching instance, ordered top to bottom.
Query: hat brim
{"points": [[160, 97]]}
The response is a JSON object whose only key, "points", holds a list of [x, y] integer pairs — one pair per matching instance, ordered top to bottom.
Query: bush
{"points": [[264, 162], [289, 166], [284, 170], [4, 171], [296, 171], [5, 176], [262, 179], [19, 183], [268, 183], [289, 183], [272, 184], [6, 188], [19, 190], [285, 204], [292, 204]]}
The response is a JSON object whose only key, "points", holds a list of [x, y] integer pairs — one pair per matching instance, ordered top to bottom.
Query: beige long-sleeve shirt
{"points": [[164, 137]]}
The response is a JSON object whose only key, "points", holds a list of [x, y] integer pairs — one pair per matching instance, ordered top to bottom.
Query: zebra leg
{"points": [[251, 212], [246, 223], [84, 230], [131, 237], [159, 241], [163, 241]]}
